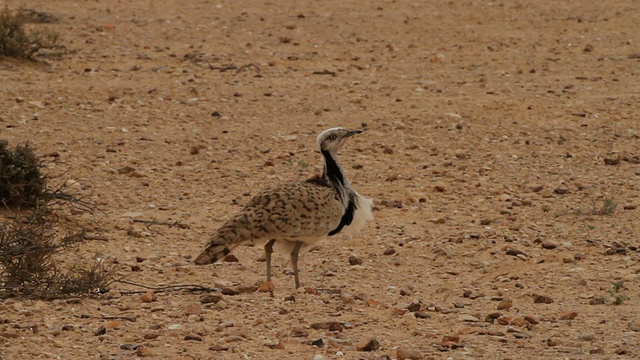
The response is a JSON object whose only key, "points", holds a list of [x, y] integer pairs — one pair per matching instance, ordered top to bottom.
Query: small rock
{"points": [[612, 161], [439, 188], [561, 190], [548, 245], [390, 251], [230, 258], [354, 260], [267, 286], [229, 291], [406, 291], [148, 297], [210, 298], [542, 299], [505, 304], [413, 307], [192, 309], [421, 315], [568, 315], [469, 318], [490, 318], [532, 319], [519, 322], [175, 327], [634, 327], [68, 328], [101, 331], [299, 332], [151, 336], [193, 337], [586, 337], [450, 340], [552, 342], [370, 345], [129, 347], [219, 348], [144, 351], [404, 353], [318, 357]]}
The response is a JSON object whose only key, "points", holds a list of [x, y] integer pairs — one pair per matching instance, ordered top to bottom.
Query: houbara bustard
{"points": [[295, 214]]}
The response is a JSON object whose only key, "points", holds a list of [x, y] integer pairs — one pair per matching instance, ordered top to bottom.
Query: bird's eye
{"points": [[333, 137]]}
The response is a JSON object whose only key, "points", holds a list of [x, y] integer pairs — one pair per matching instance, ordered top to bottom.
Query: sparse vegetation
{"points": [[19, 42], [21, 182], [607, 208], [32, 241], [616, 295]]}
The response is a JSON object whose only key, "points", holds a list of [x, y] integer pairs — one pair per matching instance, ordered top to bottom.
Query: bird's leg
{"points": [[268, 250], [294, 262]]}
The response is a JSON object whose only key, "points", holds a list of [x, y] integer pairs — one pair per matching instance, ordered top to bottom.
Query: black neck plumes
{"points": [[332, 171]]}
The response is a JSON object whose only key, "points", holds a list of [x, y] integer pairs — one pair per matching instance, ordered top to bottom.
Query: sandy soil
{"points": [[494, 134]]}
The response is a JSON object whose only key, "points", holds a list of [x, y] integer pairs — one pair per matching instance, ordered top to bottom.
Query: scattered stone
{"points": [[612, 160], [561, 190], [630, 207], [438, 220], [485, 222], [548, 245], [390, 251], [514, 252], [230, 258], [354, 260], [267, 286], [229, 291], [406, 291], [148, 297], [210, 298], [542, 299], [505, 304], [413, 307], [192, 309], [398, 312], [421, 315], [568, 315], [468, 318], [490, 318], [532, 319], [519, 322], [329, 325], [175, 327], [634, 327], [68, 328], [101, 331], [299, 332], [8, 335], [519, 335], [151, 336], [193, 337], [586, 337], [450, 340], [552, 342], [317, 343], [370, 345], [129, 347], [219, 348], [144, 351], [596, 351], [403, 353], [318, 357]]}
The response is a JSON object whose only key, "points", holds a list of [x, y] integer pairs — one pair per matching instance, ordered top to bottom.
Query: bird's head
{"points": [[332, 139]]}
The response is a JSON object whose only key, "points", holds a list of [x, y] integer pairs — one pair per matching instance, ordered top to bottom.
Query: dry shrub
{"points": [[16, 41], [21, 182], [34, 243], [31, 249]]}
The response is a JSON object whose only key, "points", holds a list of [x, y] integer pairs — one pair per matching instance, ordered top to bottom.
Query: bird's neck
{"points": [[333, 174]]}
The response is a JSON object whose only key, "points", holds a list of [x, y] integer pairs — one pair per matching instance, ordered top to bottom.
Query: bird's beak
{"points": [[351, 133]]}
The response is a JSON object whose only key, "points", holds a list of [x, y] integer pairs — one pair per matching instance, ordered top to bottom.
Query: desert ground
{"points": [[501, 147]]}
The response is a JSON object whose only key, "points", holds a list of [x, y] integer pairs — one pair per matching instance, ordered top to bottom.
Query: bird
{"points": [[296, 214]]}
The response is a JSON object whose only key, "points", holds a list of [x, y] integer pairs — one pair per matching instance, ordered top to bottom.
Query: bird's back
{"points": [[302, 211]]}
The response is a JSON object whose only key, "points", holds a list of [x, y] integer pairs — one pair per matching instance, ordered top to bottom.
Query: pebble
{"points": [[548, 245], [390, 251], [354, 260], [406, 291], [148, 297], [210, 298], [542, 299], [505, 304], [192, 309], [421, 315], [568, 315], [469, 318], [532, 319], [175, 327], [101, 331], [193, 337], [586, 337], [552, 342], [370, 345], [144, 351], [404, 353], [318, 357]]}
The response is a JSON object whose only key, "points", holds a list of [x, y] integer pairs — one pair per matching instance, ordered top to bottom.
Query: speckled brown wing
{"points": [[300, 211]]}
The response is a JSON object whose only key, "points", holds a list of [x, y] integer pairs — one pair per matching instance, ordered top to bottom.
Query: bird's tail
{"points": [[213, 253]]}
